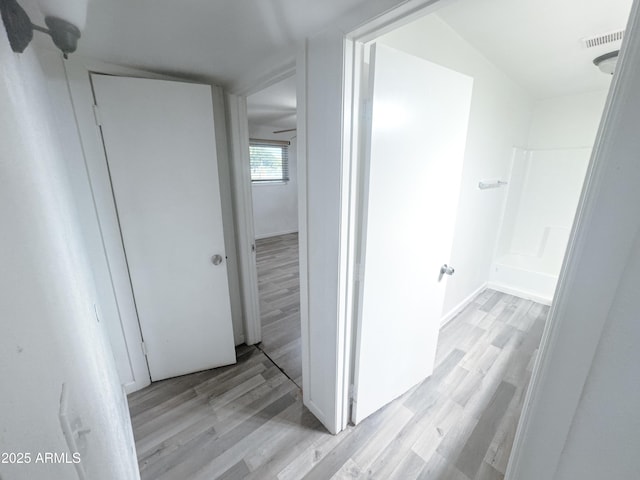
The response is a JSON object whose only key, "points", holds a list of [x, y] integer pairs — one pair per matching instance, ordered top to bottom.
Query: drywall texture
{"points": [[499, 119], [275, 205], [50, 335]]}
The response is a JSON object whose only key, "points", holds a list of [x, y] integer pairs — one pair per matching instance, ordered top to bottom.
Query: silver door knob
{"points": [[216, 259], [445, 270]]}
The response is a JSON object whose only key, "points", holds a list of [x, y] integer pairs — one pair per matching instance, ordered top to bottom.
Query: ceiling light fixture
{"points": [[64, 18], [607, 62]]}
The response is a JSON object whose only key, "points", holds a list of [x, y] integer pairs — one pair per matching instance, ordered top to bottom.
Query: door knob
{"points": [[216, 259], [446, 270]]}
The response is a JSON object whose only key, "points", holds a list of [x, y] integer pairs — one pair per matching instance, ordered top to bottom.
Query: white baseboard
{"points": [[275, 234], [520, 293], [458, 308]]}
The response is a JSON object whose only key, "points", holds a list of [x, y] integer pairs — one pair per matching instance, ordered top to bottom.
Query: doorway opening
{"points": [[271, 115], [526, 153]]}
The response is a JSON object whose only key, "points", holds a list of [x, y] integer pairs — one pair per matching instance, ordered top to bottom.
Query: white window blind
{"points": [[269, 160]]}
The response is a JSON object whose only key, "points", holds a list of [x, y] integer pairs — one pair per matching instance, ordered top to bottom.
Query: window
{"points": [[269, 161]]}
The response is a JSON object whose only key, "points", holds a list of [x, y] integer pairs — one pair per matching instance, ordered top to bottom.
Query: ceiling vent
{"points": [[603, 39]]}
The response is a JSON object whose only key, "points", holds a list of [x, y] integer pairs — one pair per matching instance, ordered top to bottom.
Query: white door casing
{"points": [[418, 129], [160, 148]]}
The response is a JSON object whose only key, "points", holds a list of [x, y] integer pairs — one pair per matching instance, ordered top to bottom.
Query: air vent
{"points": [[603, 39]]}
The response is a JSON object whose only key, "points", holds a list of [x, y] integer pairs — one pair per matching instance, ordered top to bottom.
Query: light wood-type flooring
{"points": [[279, 288], [248, 421]]}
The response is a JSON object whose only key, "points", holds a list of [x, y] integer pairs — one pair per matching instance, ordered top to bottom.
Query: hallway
{"points": [[279, 287], [247, 420]]}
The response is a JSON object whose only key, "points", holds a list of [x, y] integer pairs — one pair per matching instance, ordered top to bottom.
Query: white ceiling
{"points": [[219, 40], [535, 42], [538, 42], [274, 106]]}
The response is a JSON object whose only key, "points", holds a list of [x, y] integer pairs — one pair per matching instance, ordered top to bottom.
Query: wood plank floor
{"points": [[279, 287], [248, 421]]}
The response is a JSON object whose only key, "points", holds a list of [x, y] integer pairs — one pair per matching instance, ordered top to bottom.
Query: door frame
{"points": [[78, 71], [193, 101], [236, 112], [238, 132], [353, 176], [363, 188], [108, 250], [563, 391]]}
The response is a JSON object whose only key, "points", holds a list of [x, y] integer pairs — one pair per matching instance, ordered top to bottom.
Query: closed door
{"points": [[418, 129], [159, 142]]}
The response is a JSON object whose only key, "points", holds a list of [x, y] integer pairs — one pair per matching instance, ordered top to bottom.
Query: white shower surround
{"points": [[544, 189]]}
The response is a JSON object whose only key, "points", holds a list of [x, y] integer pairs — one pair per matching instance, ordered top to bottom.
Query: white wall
{"points": [[499, 119], [570, 121], [275, 205], [50, 334], [603, 441]]}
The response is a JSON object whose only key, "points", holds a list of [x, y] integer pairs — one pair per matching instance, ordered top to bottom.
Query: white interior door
{"points": [[418, 130], [160, 148]]}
